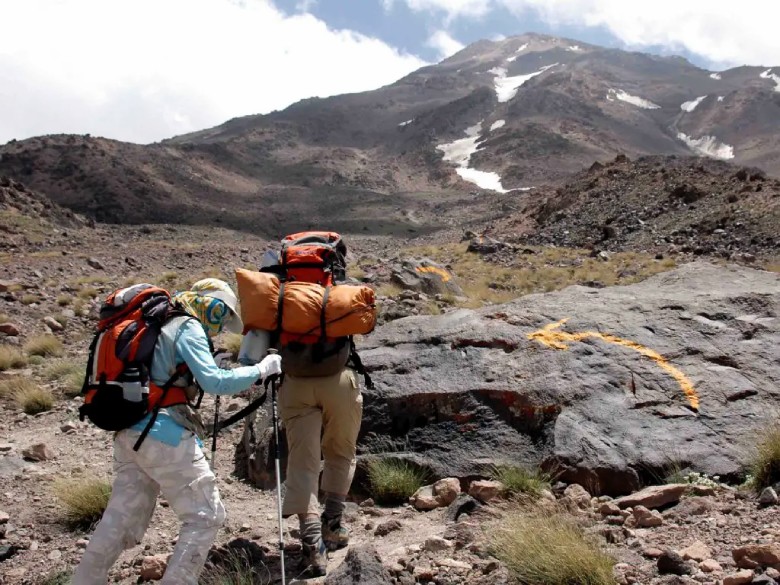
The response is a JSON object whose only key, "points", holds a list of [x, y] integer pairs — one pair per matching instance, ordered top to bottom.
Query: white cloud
{"points": [[718, 30], [444, 44], [143, 70]]}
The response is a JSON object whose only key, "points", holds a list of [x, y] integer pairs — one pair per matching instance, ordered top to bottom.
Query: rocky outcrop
{"points": [[607, 387]]}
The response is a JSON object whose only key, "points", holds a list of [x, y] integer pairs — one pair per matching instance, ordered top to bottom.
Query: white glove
{"points": [[270, 366]]}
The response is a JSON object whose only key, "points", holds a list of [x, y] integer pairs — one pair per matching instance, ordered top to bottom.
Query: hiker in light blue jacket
{"points": [[171, 460]]}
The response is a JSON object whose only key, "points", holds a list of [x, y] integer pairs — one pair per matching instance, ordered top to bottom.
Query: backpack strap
{"points": [[357, 365], [165, 387], [246, 411]]}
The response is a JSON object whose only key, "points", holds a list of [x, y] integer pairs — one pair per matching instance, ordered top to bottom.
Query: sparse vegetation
{"points": [[543, 269], [168, 278], [389, 290], [88, 293], [30, 299], [64, 300], [80, 307], [4, 318], [232, 343], [44, 346], [10, 358], [67, 374], [30, 397], [765, 464], [521, 480], [393, 481], [83, 499], [549, 549], [235, 570], [57, 578]]}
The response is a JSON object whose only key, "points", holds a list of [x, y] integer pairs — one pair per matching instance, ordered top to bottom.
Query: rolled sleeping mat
{"points": [[350, 309]]}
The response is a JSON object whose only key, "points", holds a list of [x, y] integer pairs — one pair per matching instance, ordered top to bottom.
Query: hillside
{"points": [[503, 115]]}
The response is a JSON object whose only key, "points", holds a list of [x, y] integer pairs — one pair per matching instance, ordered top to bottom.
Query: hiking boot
{"points": [[334, 534], [315, 557]]}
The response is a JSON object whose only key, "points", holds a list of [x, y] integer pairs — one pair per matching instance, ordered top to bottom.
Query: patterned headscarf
{"points": [[202, 303]]}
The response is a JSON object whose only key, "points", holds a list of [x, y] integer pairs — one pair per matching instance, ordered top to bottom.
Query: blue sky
{"points": [[410, 30], [145, 70]]}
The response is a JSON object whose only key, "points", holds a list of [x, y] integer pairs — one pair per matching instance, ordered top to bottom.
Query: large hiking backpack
{"points": [[315, 257], [117, 390]]}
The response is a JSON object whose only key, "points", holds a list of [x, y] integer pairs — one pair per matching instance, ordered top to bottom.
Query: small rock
{"points": [[95, 263], [52, 323], [9, 329], [233, 406], [68, 427], [6, 447], [38, 452], [446, 490], [485, 490], [703, 490], [578, 494], [654, 496], [768, 497], [423, 499], [368, 503], [609, 509], [4, 517], [646, 518], [387, 527], [245, 528], [82, 543], [437, 544], [34, 545], [7, 551], [698, 551], [652, 553], [55, 555], [752, 555], [670, 563], [362, 565], [710, 566], [153, 567], [773, 573], [741, 578], [763, 580]]}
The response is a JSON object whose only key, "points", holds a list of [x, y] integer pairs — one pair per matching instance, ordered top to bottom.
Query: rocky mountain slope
{"points": [[502, 115]]}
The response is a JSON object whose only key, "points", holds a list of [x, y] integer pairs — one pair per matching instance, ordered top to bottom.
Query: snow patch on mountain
{"points": [[574, 48], [517, 53], [715, 75], [773, 76], [506, 87], [621, 95], [720, 98], [691, 105], [406, 123], [497, 124], [708, 146], [459, 153]]}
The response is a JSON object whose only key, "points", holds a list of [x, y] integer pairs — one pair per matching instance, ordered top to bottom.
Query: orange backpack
{"points": [[117, 388]]}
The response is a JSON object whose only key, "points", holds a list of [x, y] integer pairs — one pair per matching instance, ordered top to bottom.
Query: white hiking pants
{"points": [[186, 481]]}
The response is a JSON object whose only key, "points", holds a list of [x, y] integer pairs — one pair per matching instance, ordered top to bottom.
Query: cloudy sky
{"points": [[144, 70]]}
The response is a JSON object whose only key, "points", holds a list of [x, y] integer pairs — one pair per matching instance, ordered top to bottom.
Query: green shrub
{"points": [[44, 346], [10, 358], [765, 463], [521, 480], [393, 481], [83, 499], [549, 549], [236, 569], [56, 578]]}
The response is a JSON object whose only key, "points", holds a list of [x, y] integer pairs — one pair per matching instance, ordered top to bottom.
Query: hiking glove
{"points": [[270, 366]]}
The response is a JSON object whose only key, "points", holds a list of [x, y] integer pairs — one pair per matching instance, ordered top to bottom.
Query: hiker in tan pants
{"points": [[321, 415]]}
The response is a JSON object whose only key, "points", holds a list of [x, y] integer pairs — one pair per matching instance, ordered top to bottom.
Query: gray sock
{"points": [[334, 508], [311, 532]]}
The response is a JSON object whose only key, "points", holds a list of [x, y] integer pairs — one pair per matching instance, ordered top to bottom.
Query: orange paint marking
{"points": [[443, 274], [551, 336]]}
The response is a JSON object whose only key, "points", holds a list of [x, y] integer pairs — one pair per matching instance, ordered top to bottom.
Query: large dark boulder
{"points": [[588, 398]]}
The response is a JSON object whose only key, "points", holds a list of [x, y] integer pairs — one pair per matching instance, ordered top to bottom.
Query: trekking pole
{"points": [[214, 433], [277, 457]]}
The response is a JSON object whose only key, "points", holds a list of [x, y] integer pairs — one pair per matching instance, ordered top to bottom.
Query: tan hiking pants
{"points": [[322, 420]]}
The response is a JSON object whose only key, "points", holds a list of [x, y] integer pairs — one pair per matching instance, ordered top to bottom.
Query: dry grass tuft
{"points": [[64, 300], [232, 343], [44, 346], [10, 358], [67, 374], [30, 397], [765, 463], [521, 480], [392, 481], [83, 499], [549, 549]]}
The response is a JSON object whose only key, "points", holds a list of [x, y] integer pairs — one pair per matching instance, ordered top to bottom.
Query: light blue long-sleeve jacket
{"points": [[185, 341]]}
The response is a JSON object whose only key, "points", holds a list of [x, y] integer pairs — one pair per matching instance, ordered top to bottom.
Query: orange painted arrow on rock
{"points": [[551, 336]]}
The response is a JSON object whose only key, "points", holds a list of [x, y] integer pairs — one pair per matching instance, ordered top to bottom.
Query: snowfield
{"points": [[639, 102], [691, 105], [708, 146]]}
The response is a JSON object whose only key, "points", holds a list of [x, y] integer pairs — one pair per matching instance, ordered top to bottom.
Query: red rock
{"points": [[10, 329], [446, 490], [485, 490], [654, 496], [698, 551], [752, 555], [153, 567], [741, 578]]}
